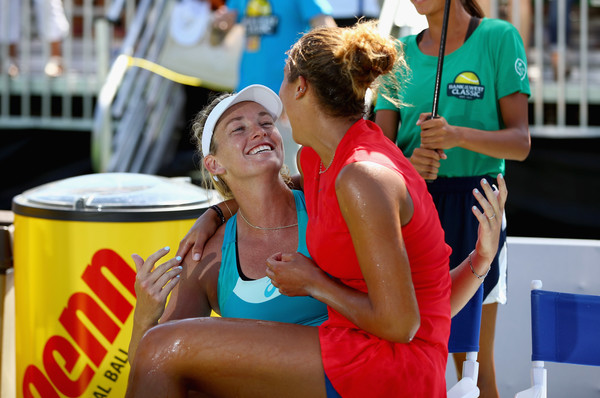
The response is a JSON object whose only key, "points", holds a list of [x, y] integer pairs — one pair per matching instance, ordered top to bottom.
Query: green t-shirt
{"points": [[490, 65]]}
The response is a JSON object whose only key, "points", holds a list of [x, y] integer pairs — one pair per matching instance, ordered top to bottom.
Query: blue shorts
{"points": [[453, 198], [331, 392]]}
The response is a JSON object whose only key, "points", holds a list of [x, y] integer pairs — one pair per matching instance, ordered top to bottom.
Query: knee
{"points": [[157, 347]]}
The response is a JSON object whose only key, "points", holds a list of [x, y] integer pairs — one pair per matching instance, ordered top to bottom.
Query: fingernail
{"points": [[484, 181], [476, 190], [167, 248], [196, 257], [178, 258], [179, 266]]}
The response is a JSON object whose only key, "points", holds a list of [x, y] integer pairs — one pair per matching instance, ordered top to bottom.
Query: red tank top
{"points": [[358, 363]]}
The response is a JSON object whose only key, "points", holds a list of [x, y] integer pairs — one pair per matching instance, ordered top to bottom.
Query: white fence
{"points": [[102, 29], [32, 99]]}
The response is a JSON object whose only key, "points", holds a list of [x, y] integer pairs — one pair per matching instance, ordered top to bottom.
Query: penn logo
{"points": [[467, 86]]}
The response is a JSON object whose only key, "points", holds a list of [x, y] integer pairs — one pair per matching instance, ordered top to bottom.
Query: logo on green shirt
{"points": [[521, 68], [467, 86]]}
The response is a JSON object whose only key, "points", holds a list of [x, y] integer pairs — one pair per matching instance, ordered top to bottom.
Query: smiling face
{"points": [[247, 141]]}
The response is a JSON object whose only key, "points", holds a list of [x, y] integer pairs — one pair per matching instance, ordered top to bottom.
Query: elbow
{"points": [[525, 147], [524, 152], [403, 331]]}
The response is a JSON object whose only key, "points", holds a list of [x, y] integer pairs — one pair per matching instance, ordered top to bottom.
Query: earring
{"points": [[215, 178]]}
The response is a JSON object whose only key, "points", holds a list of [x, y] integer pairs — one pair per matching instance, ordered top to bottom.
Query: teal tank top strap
{"points": [[302, 221], [228, 273]]}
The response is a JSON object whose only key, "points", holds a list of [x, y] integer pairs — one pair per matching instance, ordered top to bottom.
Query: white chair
{"points": [[565, 327]]}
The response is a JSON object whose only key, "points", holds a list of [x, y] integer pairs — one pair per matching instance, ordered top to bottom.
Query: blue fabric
{"points": [[277, 24], [259, 299], [565, 327], [464, 329], [329, 390]]}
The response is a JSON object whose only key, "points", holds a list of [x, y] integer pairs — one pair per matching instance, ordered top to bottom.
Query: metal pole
{"points": [[440, 65]]}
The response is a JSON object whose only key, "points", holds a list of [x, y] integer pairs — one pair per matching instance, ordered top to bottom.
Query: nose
{"points": [[259, 131]]}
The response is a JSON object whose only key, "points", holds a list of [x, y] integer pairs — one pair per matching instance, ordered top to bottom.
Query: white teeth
{"points": [[260, 148]]}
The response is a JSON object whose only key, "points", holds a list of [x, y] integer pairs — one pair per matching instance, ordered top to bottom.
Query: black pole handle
{"points": [[440, 64]]}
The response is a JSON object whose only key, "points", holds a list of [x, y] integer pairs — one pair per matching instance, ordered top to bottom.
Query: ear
{"points": [[301, 87], [213, 166]]}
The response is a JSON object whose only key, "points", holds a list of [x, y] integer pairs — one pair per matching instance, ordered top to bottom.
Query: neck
{"points": [[458, 22], [328, 135], [265, 203]]}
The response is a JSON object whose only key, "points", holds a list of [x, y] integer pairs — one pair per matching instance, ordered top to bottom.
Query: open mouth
{"points": [[260, 149]]}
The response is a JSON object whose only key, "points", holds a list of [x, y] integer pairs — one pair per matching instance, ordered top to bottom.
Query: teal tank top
{"points": [[259, 299]]}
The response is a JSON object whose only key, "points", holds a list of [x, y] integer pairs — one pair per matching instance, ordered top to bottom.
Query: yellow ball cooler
{"points": [[74, 276]]}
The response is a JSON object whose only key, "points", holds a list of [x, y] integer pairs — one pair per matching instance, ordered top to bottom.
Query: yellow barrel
{"points": [[74, 276]]}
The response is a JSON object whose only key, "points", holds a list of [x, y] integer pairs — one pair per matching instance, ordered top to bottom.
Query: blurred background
{"points": [[111, 86], [96, 111]]}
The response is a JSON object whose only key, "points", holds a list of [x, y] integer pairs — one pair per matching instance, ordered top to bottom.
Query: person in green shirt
{"points": [[483, 121]]}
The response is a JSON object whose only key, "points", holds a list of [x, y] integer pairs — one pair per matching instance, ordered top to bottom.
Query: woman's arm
{"points": [[389, 121], [513, 142], [374, 203], [204, 228], [469, 275], [191, 284], [152, 287], [196, 293]]}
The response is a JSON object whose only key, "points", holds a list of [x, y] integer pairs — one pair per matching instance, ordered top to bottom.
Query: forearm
{"points": [[510, 143], [466, 280], [357, 307], [138, 331]]}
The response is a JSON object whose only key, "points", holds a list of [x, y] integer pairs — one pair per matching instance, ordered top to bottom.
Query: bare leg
{"points": [[228, 357], [459, 358], [487, 368]]}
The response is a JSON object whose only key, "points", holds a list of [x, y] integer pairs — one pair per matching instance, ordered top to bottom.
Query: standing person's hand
{"points": [[436, 133], [427, 162], [153, 285]]}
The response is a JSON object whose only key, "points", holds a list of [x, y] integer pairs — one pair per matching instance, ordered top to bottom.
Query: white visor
{"points": [[256, 93]]}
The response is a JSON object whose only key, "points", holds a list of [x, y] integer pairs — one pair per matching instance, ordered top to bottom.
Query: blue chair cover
{"points": [[565, 327], [464, 331]]}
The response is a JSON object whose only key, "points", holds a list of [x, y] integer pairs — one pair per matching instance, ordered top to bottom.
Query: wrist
{"points": [[219, 212], [480, 267]]}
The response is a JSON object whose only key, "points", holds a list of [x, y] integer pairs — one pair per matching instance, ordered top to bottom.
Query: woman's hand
{"points": [[437, 133], [490, 223], [203, 229], [293, 274], [468, 276], [153, 285]]}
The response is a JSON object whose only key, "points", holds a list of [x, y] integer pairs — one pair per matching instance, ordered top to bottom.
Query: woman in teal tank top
{"points": [[230, 277]]}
